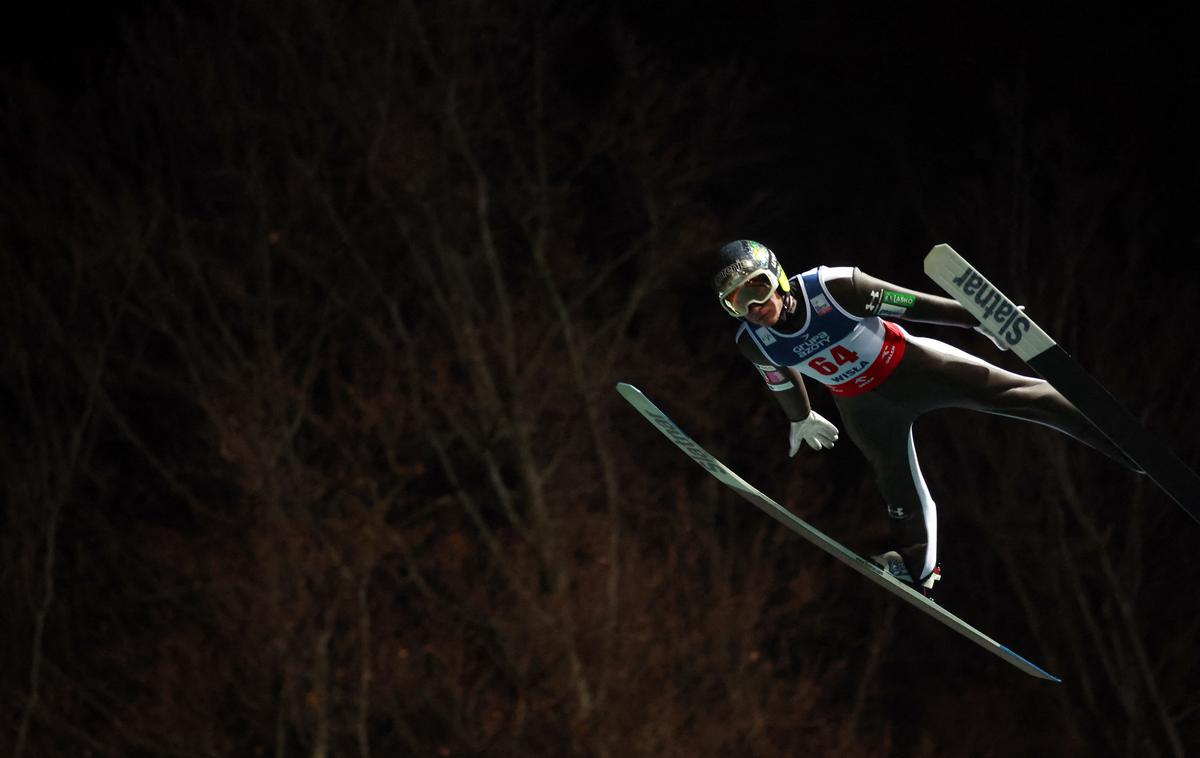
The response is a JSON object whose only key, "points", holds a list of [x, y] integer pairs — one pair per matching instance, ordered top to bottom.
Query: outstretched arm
{"points": [[866, 295]]}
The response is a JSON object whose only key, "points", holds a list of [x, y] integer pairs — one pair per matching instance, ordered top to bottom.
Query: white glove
{"points": [[995, 340], [815, 430]]}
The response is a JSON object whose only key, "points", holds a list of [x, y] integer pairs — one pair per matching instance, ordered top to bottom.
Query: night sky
{"points": [[863, 104], [313, 451]]}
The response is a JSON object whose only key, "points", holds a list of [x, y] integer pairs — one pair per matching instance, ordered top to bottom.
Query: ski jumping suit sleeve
{"points": [[882, 379]]}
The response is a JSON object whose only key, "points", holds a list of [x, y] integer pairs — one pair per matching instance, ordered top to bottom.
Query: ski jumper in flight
{"points": [[835, 326]]}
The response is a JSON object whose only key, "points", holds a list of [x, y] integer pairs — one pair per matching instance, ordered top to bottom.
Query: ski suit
{"points": [[882, 379]]}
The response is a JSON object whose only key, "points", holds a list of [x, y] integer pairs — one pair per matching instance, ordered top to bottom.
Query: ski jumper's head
{"points": [[749, 276]]}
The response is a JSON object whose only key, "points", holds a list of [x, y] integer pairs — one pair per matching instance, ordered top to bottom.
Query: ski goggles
{"points": [[756, 287]]}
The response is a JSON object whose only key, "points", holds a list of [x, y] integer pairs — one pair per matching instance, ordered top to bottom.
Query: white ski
{"points": [[1025, 338], [799, 526]]}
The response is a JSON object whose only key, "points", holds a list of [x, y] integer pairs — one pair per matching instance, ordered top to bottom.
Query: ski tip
{"points": [[940, 256], [635, 397], [1029, 667]]}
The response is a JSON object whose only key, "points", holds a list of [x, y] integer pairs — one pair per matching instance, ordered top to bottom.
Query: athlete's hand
{"points": [[988, 333], [815, 430]]}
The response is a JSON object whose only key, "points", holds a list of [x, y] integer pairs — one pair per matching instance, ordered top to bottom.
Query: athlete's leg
{"points": [[955, 378], [882, 431]]}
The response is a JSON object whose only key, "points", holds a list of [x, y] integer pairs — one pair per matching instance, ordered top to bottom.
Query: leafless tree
{"points": [[344, 297]]}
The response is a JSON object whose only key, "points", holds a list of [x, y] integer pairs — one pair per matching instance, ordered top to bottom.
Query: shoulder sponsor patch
{"points": [[890, 303], [821, 305], [764, 335], [776, 378]]}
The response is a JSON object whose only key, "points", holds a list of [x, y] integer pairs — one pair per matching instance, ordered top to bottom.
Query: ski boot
{"points": [[893, 563]]}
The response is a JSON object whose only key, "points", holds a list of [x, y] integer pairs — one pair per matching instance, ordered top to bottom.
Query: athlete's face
{"points": [[766, 313]]}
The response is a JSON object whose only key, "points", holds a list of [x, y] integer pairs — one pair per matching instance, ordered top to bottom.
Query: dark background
{"points": [[312, 315]]}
